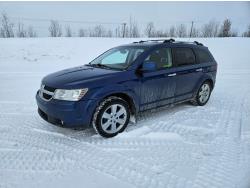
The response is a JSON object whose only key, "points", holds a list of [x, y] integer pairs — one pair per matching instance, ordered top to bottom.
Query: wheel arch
{"points": [[201, 81], [210, 81], [127, 98]]}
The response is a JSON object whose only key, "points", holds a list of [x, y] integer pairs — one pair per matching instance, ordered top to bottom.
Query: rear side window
{"points": [[183, 56], [203, 56]]}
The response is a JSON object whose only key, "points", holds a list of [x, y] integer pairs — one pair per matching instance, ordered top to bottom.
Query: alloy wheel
{"points": [[204, 93], [113, 118]]}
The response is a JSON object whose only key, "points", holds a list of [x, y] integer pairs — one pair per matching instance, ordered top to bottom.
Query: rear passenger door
{"points": [[188, 72]]}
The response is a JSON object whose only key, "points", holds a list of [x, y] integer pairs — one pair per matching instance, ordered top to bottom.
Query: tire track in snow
{"points": [[228, 120], [86, 155], [146, 170], [223, 170]]}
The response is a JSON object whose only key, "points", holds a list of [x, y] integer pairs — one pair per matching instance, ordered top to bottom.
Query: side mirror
{"points": [[148, 66]]}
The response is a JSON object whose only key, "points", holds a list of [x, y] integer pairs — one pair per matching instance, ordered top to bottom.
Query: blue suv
{"points": [[126, 80]]}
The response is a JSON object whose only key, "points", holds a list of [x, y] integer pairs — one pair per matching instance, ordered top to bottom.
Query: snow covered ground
{"points": [[179, 147]]}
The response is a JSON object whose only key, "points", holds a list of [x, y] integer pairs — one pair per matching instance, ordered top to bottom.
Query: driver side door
{"points": [[158, 86]]}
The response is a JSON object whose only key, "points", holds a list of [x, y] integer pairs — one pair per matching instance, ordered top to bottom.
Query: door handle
{"points": [[199, 70], [173, 74]]}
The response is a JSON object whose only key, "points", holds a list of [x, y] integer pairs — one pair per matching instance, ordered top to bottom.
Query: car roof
{"points": [[168, 42]]}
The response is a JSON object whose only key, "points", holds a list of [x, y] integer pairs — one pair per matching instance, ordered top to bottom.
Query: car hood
{"points": [[77, 76]]}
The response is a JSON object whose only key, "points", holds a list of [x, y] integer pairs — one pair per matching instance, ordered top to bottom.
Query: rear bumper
{"points": [[66, 113]]}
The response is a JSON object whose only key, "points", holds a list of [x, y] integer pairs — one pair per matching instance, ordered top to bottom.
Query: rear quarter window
{"points": [[203, 56]]}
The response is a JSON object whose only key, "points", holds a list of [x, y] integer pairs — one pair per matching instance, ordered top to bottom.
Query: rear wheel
{"points": [[203, 94], [111, 117]]}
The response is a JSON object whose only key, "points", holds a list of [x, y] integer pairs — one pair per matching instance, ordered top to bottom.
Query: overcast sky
{"points": [[163, 14]]}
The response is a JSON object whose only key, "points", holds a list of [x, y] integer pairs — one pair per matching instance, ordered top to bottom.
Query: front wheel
{"points": [[203, 94], [111, 117]]}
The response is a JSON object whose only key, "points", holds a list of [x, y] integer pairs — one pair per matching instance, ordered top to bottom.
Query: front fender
{"points": [[103, 92]]}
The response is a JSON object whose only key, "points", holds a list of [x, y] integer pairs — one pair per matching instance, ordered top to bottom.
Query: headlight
{"points": [[69, 95]]}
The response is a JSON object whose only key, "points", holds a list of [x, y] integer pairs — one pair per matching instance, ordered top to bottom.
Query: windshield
{"points": [[117, 58]]}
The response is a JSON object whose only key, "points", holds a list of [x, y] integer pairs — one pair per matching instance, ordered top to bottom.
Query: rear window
{"points": [[183, 56], [203, 56]]}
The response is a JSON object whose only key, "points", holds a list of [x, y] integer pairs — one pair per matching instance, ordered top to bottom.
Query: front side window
{"points": [[183, 56], [162, 57], [118, 58]]}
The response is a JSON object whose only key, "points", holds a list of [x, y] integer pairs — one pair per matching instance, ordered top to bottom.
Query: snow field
{"points": [[179, 147]]}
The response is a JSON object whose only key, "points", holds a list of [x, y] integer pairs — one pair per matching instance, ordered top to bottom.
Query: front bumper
{"points": [[70, 114]]}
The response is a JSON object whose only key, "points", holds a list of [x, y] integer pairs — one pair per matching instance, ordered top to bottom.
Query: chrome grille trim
{"points": [[43, 90]]}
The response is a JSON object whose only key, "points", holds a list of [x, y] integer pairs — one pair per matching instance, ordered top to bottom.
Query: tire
{"points": [[203, 94], [111, 117]]}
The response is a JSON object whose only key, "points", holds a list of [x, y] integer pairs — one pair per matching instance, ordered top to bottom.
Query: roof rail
{"points": [[157, 40], [141, 41], [169, 41], [186, 42], [198, 43]]}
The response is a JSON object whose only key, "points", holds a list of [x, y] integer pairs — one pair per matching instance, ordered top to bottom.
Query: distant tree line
{"points": [[7, 28], [210, 29], [131, 30]]}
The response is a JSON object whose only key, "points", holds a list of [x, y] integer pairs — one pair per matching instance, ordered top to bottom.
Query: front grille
{"points": [[51, 89], [46, 92], [46, 96]]}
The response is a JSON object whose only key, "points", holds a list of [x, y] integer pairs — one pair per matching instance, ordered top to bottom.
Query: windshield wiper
{"points": [[99, 65]]}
